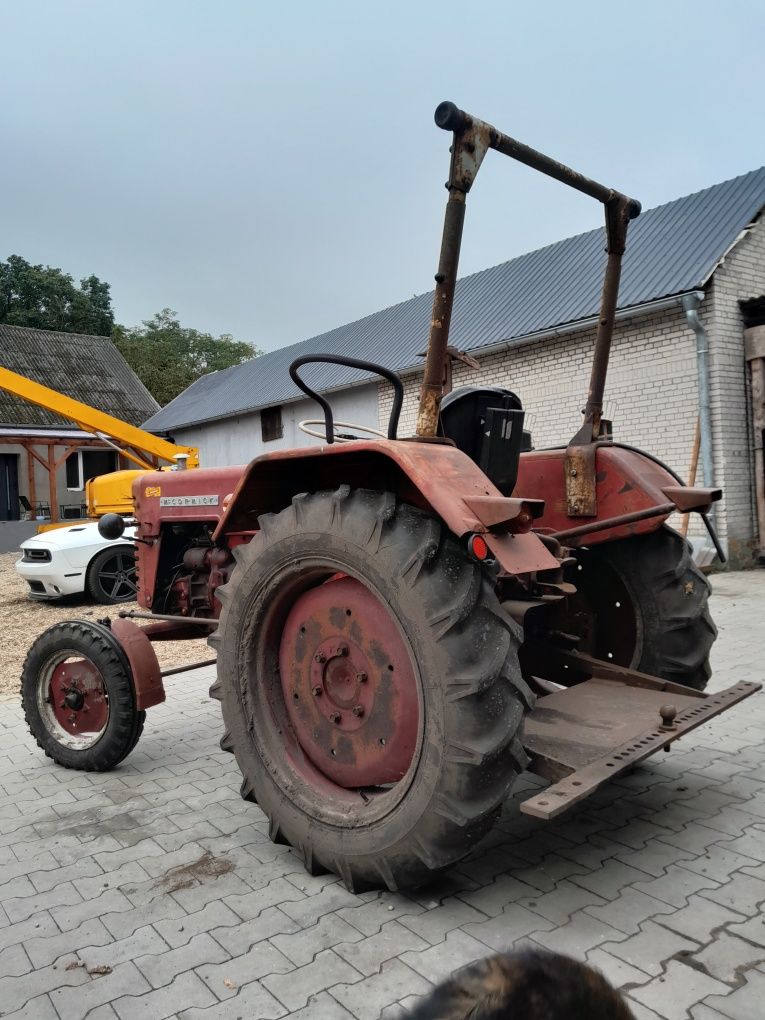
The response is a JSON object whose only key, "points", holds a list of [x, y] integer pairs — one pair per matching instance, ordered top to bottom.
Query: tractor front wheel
{"points": [[370, 687], [78, 699]]}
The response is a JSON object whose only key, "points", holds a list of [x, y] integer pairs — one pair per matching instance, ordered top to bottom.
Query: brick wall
{"points": [[741, 275], [651, 391]]}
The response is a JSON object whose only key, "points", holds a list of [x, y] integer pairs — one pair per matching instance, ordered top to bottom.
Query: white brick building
{"points": [[529, 323]]}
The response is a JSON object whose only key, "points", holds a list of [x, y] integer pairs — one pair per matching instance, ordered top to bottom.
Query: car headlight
{"points": [[36, 555]]}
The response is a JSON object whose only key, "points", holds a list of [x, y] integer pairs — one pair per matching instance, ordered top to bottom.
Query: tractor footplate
{"points": [[581, 736]]}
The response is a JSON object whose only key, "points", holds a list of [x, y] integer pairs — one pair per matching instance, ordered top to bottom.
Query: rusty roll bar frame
{"points": [[472, 140]]}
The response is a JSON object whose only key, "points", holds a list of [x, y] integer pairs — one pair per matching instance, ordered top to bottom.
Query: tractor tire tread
{"points": [[679, 632], [484, 697], [125, 723]]}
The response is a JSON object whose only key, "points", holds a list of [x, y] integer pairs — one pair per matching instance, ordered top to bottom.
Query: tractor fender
{"points": [[435, 476], [625, 482], [144, 666]]}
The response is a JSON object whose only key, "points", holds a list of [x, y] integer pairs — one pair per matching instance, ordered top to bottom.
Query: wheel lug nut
{"points": [[342, 650], [320, 657], [361, 677], [316, 691], [358, 711], [335, 717]]}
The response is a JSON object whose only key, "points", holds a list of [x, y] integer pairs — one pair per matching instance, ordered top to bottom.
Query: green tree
{"points": [[47, 298], [168, 357]]}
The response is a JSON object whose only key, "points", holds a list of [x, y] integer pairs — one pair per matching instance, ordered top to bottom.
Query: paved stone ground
{"points": [[161, 873]]}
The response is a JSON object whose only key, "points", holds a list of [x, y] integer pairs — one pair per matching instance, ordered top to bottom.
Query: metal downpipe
{"points": [[691, 303]]}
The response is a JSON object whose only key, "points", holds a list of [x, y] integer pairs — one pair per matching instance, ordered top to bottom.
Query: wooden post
{"points": [[70, 448], [692, 472], [32, 482], [52, 488]]}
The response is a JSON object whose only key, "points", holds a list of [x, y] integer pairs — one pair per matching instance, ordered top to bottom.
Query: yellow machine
{"points": [[110, 493]]}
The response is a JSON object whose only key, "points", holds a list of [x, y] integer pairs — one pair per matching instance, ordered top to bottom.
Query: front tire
{"points": [[370, 687], [78, 699]]}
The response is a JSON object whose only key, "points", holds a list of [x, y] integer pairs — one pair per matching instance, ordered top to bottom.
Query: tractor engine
{"points": [[180, 564], [205, 569]]}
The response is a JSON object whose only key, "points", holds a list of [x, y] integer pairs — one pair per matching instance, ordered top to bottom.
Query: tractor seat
{"points": [[486, 423]]}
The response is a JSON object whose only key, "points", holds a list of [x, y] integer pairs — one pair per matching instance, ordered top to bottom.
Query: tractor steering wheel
{"points": [[363, 366], [340, 437]]}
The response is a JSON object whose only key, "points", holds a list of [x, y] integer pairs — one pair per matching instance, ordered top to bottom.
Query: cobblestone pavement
{"points": [[161, 876]]}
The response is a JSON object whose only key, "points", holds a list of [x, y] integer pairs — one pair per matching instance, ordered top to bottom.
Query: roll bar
{"points": [[472, 140]]}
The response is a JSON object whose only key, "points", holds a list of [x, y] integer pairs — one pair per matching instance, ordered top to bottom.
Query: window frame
{"points": [[274, 430], [80, 467]]}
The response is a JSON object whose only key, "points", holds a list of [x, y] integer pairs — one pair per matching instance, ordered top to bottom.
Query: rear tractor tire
{"points": [[650, 605], [370, 687], [78, 698]]}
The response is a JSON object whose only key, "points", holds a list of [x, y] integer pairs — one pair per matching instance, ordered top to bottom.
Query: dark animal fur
{"points": [[527, 985]]}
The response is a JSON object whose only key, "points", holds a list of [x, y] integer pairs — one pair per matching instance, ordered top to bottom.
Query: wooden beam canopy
{"points": [[43, 450]]}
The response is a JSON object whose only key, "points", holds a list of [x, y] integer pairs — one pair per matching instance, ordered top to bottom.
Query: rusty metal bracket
{"points": [[463, 356], [581, 482], [581, 485], [688, 499], [505, 513], [585, 780]]}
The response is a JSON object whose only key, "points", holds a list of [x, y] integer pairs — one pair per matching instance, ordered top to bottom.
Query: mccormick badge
{"points": [[188, 500]]}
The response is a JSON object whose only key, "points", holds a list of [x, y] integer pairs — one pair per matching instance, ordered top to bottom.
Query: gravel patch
{"points": [[22, 619]]}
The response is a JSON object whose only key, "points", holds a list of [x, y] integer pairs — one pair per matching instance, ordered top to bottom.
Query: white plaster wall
{"points": [[238, 440], [64, 495]]}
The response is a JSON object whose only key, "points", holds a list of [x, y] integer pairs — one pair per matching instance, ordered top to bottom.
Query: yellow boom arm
{"points": [[129, 438]]}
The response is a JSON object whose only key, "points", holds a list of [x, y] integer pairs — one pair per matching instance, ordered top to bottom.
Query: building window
{"points": [[271, 424], [85, 464]]}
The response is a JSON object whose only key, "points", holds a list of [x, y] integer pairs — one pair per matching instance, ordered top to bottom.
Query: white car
{"points": [[69, 561]]}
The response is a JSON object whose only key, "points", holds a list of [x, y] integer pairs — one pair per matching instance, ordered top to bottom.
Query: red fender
{"points": [[436, 477], [626, 482], [147, 676]]}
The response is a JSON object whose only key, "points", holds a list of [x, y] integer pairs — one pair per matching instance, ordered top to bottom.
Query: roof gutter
{"points": [[691, 303], [647, 308], [566, 329]]}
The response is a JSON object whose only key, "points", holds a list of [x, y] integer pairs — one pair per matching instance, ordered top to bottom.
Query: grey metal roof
{"points": [[671, 249], [88, 368]]}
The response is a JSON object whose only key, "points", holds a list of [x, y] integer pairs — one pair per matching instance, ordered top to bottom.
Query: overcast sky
{"points": [[272, 170]]}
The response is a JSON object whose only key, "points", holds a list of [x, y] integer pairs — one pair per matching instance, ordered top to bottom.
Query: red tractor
{"points": [[404, 625]]}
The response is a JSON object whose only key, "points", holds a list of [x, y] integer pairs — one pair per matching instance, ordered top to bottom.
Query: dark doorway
{"points": [[86, 464], [9, 487]]}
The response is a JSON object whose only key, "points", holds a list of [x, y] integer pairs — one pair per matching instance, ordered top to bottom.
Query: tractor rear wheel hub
{"points": [[349, 685]]}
